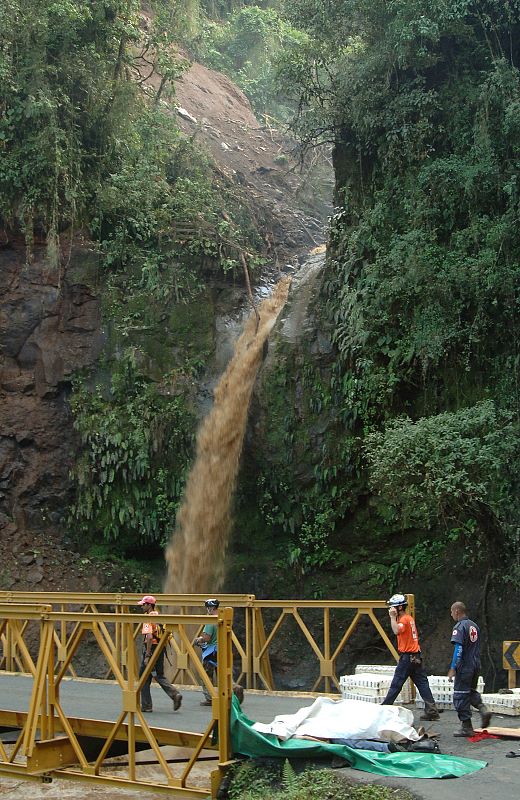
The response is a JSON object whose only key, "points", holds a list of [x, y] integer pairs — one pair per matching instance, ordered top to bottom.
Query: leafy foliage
{"points": [[247, 48], [61, 65], [421, 101], [85, 140], [164, 217], [135, 449], [444, 466], [251, 782]]}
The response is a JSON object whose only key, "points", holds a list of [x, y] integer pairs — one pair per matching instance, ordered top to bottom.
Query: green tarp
{"points": [[248, 742]]}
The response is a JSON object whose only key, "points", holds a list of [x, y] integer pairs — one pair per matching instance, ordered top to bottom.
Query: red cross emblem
{"points": [[473, 633]]}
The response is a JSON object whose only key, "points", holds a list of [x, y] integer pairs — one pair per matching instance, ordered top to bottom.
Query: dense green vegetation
{"points": [[247, 45], [422, 103], [86, 140], [135, 448], [279, 781]]}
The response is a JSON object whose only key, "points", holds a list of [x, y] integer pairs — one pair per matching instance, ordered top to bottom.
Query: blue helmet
{"points": [[212, 603]]}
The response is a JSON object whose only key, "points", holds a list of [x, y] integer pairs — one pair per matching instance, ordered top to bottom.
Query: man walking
{"points": [[151, 636], [208, 642], [410, 659], [465, 669]]}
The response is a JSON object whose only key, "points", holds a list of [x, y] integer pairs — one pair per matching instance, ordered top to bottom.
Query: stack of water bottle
{"points": [[370, 683], [442, 690], [508, 704]]}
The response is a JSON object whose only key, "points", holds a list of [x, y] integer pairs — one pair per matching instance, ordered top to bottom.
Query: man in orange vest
{"points": [[151, 636], [410, 663]]}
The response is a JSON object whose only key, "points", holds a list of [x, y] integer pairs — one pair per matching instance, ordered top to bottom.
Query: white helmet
{"points": [[397, 600]]}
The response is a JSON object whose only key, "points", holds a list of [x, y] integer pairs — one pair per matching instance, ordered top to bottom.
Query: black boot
{"points": [[238, 691], [431, 711], [485, 715], [466, 729]]}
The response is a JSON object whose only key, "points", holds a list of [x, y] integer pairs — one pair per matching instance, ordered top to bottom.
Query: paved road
{"points": [[500, 780]]}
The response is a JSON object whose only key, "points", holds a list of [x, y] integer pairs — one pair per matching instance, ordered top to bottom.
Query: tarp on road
{"points": [[247, 741]]}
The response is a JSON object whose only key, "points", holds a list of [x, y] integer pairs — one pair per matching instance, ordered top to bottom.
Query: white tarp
{"points": [[344, 719]]}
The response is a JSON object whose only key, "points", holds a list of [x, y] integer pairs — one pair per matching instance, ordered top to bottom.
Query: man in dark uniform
{"points": [[410, 664], [465, 669]]}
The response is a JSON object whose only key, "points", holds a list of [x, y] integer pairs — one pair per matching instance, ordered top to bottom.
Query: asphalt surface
{"points": [[102, 700], [500, 780]]}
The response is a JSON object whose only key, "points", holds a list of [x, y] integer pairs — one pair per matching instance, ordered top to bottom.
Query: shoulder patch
{"points": [[455, 632]]}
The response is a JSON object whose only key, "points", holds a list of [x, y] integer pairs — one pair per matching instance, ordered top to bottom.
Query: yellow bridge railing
{"points": [[324, 627], [49, 636], [53, 742]]}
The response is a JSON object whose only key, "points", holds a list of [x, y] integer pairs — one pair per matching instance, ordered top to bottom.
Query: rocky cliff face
{"points": [[49, 328]]}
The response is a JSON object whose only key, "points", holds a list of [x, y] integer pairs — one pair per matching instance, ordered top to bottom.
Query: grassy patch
{"points": [[280, 781]]}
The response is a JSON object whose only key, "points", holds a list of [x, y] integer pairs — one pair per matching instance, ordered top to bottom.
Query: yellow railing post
{"points": [[326, 647], [9, 654], [225, 692], [38, 695]]}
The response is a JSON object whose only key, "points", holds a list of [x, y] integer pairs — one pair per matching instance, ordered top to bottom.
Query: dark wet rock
{"points": [[50, 327], [35, 575]]}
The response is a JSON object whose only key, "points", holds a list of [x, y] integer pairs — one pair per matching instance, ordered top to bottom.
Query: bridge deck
{"points": [[101, 700], [85, 701]]}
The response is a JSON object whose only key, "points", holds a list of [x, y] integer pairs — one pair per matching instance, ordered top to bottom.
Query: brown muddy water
{"points": [[196, 553]]}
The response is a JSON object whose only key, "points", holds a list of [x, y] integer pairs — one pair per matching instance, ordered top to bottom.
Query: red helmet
{"points": [[148, 598]]}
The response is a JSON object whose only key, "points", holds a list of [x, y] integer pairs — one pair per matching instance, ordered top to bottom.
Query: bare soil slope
{"points": [[260, 160]]}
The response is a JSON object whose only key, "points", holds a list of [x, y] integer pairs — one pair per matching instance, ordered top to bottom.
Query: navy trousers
{"points": [[210, 668], [405, 669], [465, 692]]}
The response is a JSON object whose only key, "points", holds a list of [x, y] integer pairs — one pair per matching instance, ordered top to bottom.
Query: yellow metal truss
{"points": [[50, 741]]}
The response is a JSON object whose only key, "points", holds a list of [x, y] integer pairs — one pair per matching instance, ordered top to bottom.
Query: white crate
{"points": [[375, 669], [367, 682], [441, 683], [373, 685], [442, 691], [405, 695], [443, 696], [365, 698], [508, 704], [446, 705]]}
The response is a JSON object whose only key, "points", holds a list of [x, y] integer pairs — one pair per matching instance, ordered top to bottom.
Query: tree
{"points": [[421, 100]]}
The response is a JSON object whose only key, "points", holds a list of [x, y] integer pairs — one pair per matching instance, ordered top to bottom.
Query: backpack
{"points": [[159, 632]]}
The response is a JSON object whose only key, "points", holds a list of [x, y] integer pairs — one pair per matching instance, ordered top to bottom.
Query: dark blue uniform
{"points": [[466, 633]]}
